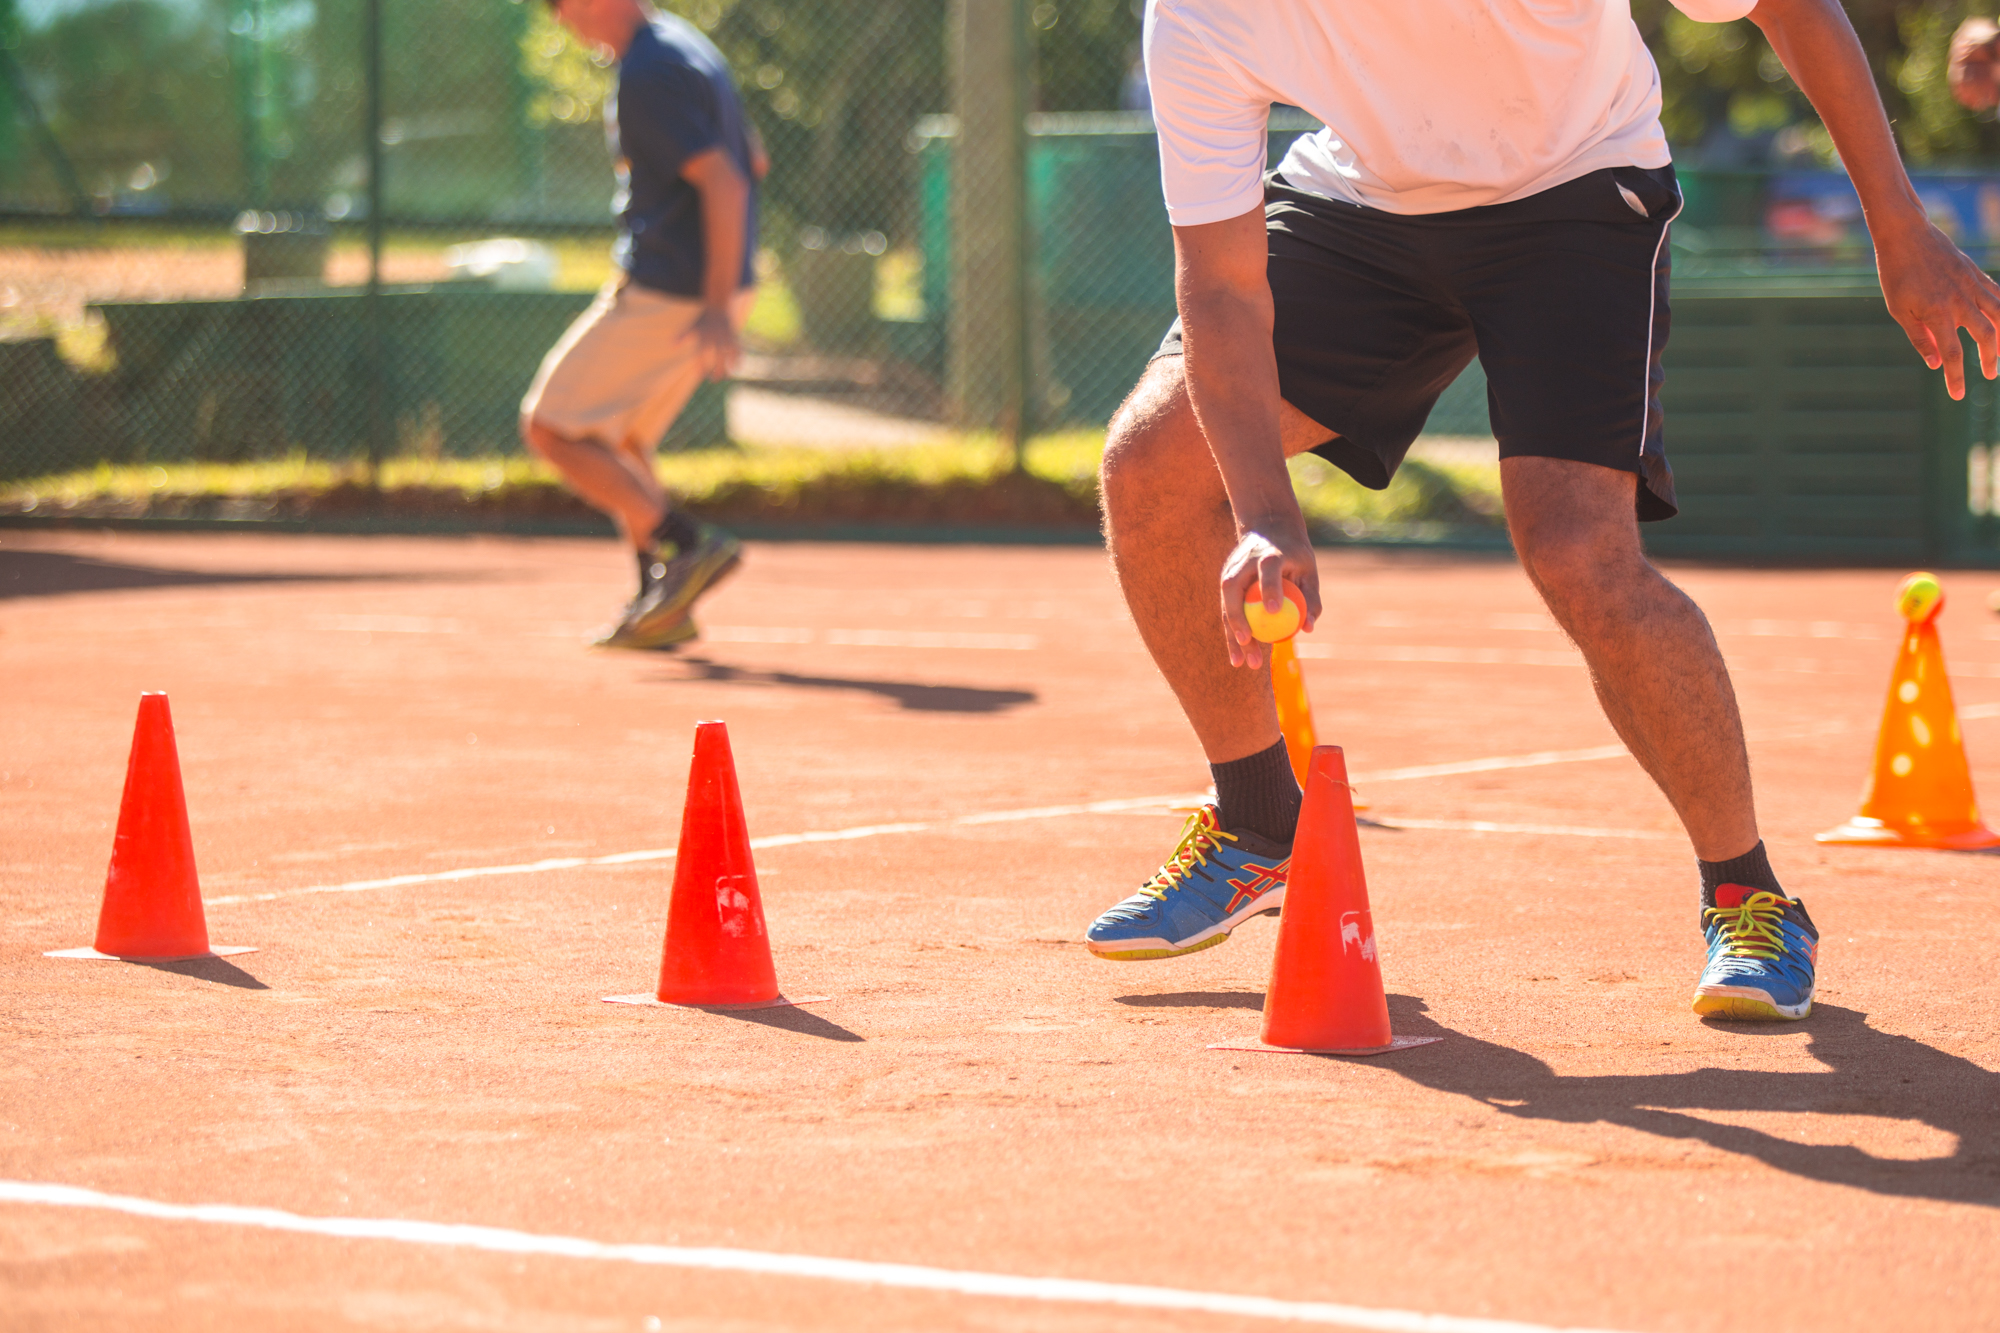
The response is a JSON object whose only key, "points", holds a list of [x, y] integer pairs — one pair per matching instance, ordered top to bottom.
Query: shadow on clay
{"points": [[54, 573], [917, 698], [218, 970], [1198, 999], [793, 1019], [1868, 1072]]}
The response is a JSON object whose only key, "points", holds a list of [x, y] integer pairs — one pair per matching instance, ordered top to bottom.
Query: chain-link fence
{"points": [[235, 229]]}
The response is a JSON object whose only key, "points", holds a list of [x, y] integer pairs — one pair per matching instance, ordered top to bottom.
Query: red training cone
{"points": [[152, 899], [717, 953], [1326, 993]]}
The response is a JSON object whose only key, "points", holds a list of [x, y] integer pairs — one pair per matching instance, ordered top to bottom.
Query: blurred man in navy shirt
{"points": [[688, 163]]}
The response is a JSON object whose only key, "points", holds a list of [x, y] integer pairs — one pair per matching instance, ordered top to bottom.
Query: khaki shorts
{"points": [[625, 369]]}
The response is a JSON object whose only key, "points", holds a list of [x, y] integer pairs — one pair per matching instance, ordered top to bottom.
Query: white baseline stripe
{"points": [[1497, 763], [1563, 830], [499, 1240]]}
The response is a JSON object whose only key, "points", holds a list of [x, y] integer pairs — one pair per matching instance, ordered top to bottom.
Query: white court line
{"points": [[1495, 764], [1563, 830], [859, 1272]]}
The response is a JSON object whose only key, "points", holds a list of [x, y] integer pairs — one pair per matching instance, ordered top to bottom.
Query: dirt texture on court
{"points": [[978, 1093]]}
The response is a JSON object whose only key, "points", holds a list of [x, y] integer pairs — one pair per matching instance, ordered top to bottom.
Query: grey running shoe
{"points": [[676, 583], [644, 625]]}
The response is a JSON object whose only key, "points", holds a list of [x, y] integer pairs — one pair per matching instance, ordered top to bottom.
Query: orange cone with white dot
{"points": [[1920, 793], [717, 953]]}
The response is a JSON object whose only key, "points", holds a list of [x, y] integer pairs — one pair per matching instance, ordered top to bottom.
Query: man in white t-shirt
{"points": [[1492, 180]]}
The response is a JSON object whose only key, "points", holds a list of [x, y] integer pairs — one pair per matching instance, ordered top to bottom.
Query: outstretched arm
{"points": [[1931, 288], [1232, 383]]}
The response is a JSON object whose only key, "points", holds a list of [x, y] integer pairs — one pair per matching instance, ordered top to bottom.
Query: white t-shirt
{"points": [[1429, 105]]}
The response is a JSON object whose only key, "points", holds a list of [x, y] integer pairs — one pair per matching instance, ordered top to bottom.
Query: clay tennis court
{"points": [[414, 1048]]}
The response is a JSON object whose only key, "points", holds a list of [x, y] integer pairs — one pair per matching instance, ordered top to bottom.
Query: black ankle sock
{"points": [[678, 529], [1260, 794], [1752, 870]]}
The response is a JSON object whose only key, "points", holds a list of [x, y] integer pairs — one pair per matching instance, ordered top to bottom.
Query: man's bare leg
{"points": [[615, 481], [1169, 527], [1652, 657]]}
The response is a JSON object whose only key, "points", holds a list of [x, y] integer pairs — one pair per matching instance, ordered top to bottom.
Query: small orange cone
{"points": [[1295, 710], [1920, 792], [152, 899], [717, 953], [1325, 996]]}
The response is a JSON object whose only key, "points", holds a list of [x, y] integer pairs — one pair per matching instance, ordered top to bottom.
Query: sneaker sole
{"points": [[665, 641], [1122, 951], [1742, 1002]]}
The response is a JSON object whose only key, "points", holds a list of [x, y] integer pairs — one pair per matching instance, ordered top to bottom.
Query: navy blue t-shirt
{"points": [[674, 100]]}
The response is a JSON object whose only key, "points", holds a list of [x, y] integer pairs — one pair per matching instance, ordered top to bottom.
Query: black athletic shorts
{"points": [[1562, 296]]}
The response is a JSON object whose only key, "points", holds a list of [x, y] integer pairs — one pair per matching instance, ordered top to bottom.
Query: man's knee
{"points": [[1148, 428]]}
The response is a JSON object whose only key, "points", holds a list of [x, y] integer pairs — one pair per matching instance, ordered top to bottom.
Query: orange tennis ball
{"points": [[1919, 597], [1274, 626]]}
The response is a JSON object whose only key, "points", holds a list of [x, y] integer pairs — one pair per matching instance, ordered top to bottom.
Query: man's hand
{"points": [[1974, 71], [1933, 291], [721, 349], [1256, 570]]}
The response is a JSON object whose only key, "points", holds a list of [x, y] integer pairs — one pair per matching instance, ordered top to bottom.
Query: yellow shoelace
{"points": [[1199, 837], [1755, 927]]}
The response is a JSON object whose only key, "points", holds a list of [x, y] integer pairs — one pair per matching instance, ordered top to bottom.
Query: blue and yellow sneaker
{"points": [[1213, 883], [1762, 948]]}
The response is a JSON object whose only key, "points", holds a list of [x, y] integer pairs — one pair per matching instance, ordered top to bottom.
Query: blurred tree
{"points": [[1725, 92]]}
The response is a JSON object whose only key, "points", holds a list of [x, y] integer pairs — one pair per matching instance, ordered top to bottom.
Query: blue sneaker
{"points": [[1213, 883], [1762, 948]]}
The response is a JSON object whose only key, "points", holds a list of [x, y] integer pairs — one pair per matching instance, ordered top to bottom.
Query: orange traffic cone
{"points": [[1920, 793], [152, 899], [717, 954], [1326, 994]]}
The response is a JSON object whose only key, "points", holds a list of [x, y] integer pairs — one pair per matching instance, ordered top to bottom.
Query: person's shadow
{"points": [[909, 694], [1871, 1072]]}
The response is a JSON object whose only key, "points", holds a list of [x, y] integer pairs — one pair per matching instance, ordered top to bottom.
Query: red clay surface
{"points": [[979, 1093]]}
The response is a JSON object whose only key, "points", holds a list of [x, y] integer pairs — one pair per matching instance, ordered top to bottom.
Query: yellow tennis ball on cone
{"points": [[1919, 597], [1274, 626]]}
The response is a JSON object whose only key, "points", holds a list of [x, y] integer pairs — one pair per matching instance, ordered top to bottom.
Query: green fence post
{"points": [[374, 361], [987, 372]]}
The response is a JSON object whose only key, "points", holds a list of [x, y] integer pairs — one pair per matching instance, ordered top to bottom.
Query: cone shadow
{"points": [[917, 698], [220, 971], [1197, 999], [793, 1019], [1862, 1071]]}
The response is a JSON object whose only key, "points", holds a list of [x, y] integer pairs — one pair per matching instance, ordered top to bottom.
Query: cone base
{"points": [[1864, 832], [218, 951], [651, 1000], [1395, 1044]]}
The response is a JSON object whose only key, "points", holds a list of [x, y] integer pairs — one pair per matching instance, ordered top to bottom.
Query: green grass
{"points": [[775, 481], [1425, 499]]}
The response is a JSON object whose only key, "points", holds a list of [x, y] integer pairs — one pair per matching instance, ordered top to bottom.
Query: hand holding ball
{"points": [[1919, 598], [1274, 626]]}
